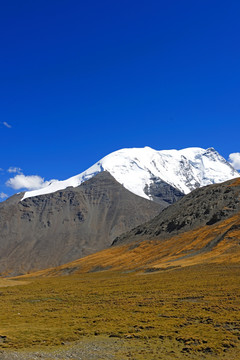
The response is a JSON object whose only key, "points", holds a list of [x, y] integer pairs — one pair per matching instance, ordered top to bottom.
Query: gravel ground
{"points": [[110, 348], [84, 350]]}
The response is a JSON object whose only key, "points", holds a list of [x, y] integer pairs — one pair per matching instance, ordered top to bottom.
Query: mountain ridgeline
{"points": [[154, 174]]}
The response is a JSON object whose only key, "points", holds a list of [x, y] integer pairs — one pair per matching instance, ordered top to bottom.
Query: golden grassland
{"points": [[11, 282], [191, 312]]}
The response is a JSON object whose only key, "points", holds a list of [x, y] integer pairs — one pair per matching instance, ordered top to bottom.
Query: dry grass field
{"points": [[191, 312]]}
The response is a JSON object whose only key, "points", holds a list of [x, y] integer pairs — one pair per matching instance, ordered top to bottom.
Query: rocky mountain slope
{"points": [[155, 175], [203, 206], [203, 227], [49, 230]]}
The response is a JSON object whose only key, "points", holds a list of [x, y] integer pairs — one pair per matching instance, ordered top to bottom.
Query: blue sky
{"points": [[80, 79]]}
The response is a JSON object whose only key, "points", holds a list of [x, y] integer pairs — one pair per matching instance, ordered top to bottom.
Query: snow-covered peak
{"points": [[137, 168]]}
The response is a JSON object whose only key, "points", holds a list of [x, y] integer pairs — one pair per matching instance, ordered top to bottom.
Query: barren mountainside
{"points": [[203, 206], [52, 229]]}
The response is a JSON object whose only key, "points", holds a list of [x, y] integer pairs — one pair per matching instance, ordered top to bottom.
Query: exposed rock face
{"points": [[162, 193], [204, 206], [49, 230]]}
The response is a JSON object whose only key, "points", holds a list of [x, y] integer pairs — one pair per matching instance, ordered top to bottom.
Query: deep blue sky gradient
{"points": [[80, 79]]}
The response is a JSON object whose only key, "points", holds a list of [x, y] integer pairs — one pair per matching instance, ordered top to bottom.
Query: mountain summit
{"points": [[150, 173]]}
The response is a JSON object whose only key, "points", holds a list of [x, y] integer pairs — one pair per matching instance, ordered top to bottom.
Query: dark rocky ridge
{"points": [[162, 193], [203, 206], [53, 229]]}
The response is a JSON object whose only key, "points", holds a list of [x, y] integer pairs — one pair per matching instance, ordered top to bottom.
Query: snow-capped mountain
{"points": [[141, 170]]}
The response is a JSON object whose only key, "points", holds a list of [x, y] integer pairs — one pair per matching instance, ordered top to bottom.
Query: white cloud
{"points": [[7, 125], [234, 160], [14, 169], [31, 182], [3, 195]]}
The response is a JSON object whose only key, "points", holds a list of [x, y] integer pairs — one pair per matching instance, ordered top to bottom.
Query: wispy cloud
{"points": [[7, 125], [234, 160], [14, 169], [30, 182], [3, 195]]}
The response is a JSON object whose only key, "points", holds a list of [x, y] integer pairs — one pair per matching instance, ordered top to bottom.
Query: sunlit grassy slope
{"points": [[194, 310]]}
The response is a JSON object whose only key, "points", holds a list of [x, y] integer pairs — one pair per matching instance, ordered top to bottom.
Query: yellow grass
{"points": [[10, 282], [194, 310]]}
